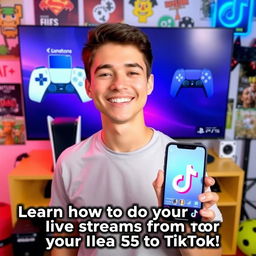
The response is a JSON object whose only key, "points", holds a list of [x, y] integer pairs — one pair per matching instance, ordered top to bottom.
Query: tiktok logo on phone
{"points": [[236, 14], [190, 173], [194, 213]]}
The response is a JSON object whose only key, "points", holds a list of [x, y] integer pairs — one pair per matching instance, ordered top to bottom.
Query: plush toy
{"points": [[247, 237]]}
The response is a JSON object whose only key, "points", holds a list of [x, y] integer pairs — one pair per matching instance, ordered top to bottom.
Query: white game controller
{"points": [[57, 80]]}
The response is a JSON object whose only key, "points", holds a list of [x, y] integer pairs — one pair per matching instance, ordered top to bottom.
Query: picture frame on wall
{"points": [[12, 125]]}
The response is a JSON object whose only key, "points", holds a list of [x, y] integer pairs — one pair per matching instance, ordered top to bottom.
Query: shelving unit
{"points": [[231, 179], [28, 180]]}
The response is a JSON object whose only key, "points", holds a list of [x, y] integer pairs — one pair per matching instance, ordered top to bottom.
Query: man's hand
{"points": [[158, 186], [207, 198]]}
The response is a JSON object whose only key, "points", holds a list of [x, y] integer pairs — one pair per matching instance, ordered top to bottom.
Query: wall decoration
{"points": [[176, 5], [206, 8], [143, 9], [102, 11], [56, 12], [168, 13], [234, 14], [10, 17], [166, 21], [186, 22], [246, 56], [10, 69], [246, 97], [10, 100], [11, 115], [245, 127], [12, 130]]}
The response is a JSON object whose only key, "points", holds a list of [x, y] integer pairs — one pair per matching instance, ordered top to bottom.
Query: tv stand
{"points": [[27, 182]]}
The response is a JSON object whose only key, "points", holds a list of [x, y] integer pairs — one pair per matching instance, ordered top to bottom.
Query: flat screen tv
{"points": [[191, 67]]}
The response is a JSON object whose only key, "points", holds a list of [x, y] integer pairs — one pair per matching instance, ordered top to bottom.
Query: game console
{"points": [[59, 78], [192, 78]]}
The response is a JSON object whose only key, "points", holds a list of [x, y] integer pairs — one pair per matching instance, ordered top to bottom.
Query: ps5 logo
{"points": [[235, 14], [190, 172]]}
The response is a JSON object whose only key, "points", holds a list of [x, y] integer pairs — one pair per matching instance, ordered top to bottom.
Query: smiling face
{"points": [[143, 9], [119, 85], [246, 98]]}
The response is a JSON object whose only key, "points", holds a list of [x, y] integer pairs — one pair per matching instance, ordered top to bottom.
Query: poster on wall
{"points": [[102, 11], [56, 12], [168, 13], [11, 14], [10, 69], [246, 96], [246, 103], [245, 127], [12, 128]]}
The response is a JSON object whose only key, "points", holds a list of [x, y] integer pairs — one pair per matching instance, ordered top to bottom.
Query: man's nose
{"points": [[119, 82]]}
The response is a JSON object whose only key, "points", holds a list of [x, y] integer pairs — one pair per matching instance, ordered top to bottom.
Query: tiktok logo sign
{"points": [[236, 14], [190, 172]]}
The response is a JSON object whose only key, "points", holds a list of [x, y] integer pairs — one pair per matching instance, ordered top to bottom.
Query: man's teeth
{"points": [[120, 100]]}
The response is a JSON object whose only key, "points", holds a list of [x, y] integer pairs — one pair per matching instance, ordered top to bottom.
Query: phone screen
{"points": [[184, 178]]}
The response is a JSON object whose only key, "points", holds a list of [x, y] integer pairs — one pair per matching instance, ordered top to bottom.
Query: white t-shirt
{"points": [[91, 175]]}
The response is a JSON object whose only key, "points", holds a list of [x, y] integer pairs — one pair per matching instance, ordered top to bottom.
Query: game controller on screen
{"points": [[60, 77], [192, 78]]}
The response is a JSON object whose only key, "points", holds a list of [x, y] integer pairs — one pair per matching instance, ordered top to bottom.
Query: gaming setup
{"points": [[191, 70]]}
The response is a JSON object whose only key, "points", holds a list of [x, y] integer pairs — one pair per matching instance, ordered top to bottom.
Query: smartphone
{"points": [[184, 180]]}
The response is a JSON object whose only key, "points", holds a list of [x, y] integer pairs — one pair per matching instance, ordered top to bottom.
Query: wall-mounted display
{"points": [[190, 95]]}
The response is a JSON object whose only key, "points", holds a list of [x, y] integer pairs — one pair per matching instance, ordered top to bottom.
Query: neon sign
{"points": [[236, 14]]}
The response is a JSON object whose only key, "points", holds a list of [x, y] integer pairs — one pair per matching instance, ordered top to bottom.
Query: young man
{"points": [[117, 165]]}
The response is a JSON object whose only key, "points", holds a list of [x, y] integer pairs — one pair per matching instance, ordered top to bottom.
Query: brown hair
{"points": [[116, 33]]}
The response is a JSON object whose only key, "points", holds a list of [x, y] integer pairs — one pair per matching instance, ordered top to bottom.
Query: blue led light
{"points": [[236, 14]]}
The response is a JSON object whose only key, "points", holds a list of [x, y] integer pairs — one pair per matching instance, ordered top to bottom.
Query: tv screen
{"points": [[191, 67]]}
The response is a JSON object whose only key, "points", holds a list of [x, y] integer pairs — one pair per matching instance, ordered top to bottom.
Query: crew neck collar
{"points": [[110, 151]]}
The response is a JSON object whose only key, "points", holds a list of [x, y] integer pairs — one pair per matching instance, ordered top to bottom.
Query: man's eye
{"points": [[133, 73], [104, 75]]}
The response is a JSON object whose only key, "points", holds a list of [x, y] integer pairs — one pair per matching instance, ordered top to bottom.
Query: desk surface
{"points": [[38, 165], [223, 167]]}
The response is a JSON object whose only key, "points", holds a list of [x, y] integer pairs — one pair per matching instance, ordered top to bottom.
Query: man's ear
{"points": [[150, 84], [88, 88]]}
